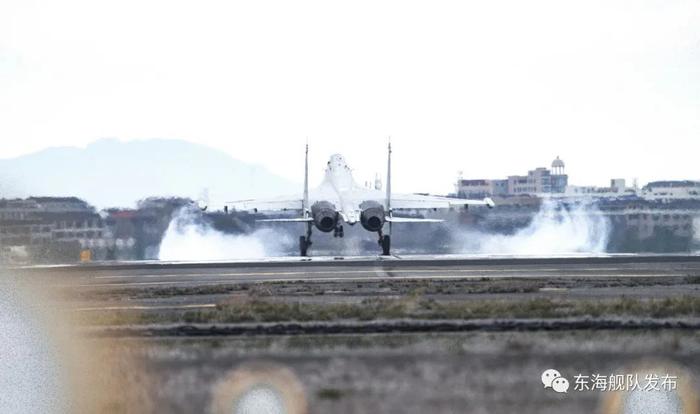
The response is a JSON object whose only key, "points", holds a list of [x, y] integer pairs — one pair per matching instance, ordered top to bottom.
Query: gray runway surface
{"points": [[149, 274], [154, 286], [394, 365]]}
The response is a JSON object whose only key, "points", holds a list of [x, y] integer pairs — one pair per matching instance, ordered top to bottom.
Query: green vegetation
{"points": [[692, 279], [483, 285], [410, 307], [330, 394]]}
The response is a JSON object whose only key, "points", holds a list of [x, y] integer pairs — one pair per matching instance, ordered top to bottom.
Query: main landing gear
{"points": [[305, 242], [385, 243], [303, 245]]}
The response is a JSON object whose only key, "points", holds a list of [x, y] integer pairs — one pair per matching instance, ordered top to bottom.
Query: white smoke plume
{"points": [[555, 229], [189, 237]]}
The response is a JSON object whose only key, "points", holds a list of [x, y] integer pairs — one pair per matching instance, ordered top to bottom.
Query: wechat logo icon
{"points": [[551, 378]]}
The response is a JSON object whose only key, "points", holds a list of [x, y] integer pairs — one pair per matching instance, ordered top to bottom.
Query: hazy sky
{"points": [[488, 87]]}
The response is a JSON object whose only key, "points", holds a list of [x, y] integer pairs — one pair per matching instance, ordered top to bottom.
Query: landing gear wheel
{"points": [[340, 231], [386, 245], [303, 246]]}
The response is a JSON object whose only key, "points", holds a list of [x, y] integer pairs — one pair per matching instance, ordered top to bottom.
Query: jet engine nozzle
{"points": [[324, 215], [372, 216]]}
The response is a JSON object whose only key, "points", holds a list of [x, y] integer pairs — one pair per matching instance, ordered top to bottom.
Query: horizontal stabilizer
{"points": [[461, 202], [281, 203], [287, 220], [412, 220]]}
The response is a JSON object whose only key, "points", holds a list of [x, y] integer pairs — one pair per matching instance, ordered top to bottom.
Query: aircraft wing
{"points": [[416, 201], [284, 203], [287, 220], [412, 220]]}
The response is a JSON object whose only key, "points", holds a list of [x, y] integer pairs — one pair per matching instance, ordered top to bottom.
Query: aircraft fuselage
{"points": [[347, 198]]}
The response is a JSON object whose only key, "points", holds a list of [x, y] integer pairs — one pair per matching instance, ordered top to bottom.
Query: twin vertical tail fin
{"points": [[388, 183], [305, 202]]}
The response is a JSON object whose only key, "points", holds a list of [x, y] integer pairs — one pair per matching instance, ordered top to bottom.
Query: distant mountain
{"points": [[112, 173]]}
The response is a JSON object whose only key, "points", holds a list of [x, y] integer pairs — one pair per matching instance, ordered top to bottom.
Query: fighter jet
{"points": [[340, 200]]}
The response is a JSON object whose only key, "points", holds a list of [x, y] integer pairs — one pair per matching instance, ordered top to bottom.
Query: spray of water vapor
{"points": [[556, 229], [190, 237]]}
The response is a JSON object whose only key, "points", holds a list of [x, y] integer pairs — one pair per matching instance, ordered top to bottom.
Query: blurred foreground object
{"points": [[259, 388], [681, 398]]}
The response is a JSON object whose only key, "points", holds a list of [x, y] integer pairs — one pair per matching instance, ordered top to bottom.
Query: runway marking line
{"points": [[372, 271], [331, 279], [553, 289], [144, 307]]}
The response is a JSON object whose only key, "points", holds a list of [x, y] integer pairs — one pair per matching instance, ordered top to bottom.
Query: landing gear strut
{"points": [[305, 242], [385, 242]]}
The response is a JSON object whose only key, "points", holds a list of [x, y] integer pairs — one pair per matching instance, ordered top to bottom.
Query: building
{"points": [[559, 179], [537, 182], [478, 188], [618, 188], [659, 190], [654, 191], [38, 220], [50, 227], [57, 229]]}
